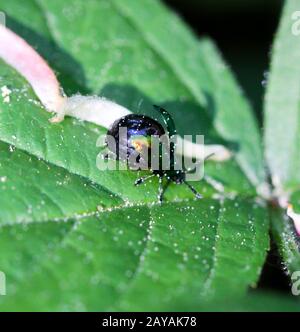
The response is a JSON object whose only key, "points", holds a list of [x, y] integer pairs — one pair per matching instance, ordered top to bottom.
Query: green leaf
{"points": [[134, 49], [282, 104], [282, 132], [284, 233], [286, 237], [76, 238], [288, 243], [125, 257]]}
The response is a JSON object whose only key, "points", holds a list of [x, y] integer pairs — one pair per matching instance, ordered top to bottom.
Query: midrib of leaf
{"points": [[92, 213], [41, 221], [139, 266], [212, 274], [212, 283]]}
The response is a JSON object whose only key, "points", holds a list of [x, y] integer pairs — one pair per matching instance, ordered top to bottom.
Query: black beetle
{"points": [[139, 130]]}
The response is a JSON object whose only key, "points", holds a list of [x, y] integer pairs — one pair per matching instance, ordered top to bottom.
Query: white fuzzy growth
{"points": [[100, 111], [201, 151]]}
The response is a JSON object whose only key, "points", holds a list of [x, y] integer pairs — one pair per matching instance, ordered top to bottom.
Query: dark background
{"points": [[244, 31]]}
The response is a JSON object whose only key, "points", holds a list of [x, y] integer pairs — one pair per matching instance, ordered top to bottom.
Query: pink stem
{"points": [[17, 53]]}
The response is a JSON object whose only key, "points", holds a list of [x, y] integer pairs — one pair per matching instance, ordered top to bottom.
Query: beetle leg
{"points": [[143, 179], [162, 190], [197, 195]]}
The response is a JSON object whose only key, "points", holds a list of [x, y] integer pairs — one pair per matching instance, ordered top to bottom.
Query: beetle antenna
{"points": [[168, 120], [195, 192]]}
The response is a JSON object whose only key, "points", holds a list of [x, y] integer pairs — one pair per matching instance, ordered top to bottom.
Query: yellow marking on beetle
{"points": [[140, 142]]}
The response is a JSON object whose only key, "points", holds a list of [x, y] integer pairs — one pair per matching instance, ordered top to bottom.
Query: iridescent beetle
{"points": [[139, 130]]}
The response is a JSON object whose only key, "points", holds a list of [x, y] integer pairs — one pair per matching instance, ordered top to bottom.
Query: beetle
{"points": [[139, 130]]}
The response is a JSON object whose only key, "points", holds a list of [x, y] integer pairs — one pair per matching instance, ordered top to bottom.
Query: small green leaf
{"points": [[282, 104], [282, 124], [287, 240]]}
